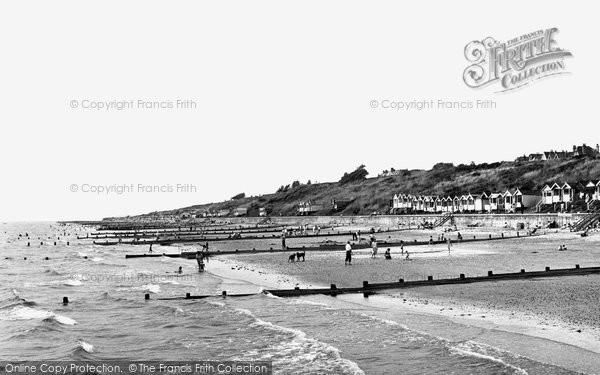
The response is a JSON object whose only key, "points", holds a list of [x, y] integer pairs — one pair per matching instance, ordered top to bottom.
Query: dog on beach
{"points": [[300, 255], [292, 258]]}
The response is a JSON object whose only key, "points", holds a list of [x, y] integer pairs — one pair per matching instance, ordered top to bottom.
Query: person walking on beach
{"points": [[283, 242], [449, 245], [150, 248], [205, 248], [373, 249], [200, 260], [348, 260]]}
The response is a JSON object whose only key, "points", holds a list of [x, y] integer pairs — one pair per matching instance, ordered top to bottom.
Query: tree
{"points": [[359, 174], [308, 182], [295, 184]]}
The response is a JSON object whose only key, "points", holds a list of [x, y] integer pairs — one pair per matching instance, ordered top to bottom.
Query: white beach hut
{"points": [[567, 192], [547, 194], [508, 201], [482, 202], [496, 202], [470, 203], [438, 204], [456, 204]]}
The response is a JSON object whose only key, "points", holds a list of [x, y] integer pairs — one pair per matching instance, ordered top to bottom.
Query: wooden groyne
{"points": [[154, 224], [127, 225], [187, 230], [98, 236], [170, 241], [326, 247], [462, 279], [368, 288]]}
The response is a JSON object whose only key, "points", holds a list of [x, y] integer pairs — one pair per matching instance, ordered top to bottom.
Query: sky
{"points": [[230, 97]]}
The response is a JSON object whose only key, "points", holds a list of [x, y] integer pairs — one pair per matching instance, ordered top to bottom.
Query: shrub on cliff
{"points": [[359, 174]]}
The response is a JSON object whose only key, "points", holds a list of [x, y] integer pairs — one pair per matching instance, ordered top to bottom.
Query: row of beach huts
{"points": [[553, 196]]}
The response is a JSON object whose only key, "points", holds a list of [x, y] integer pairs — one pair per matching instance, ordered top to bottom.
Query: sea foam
{"points": [[28, 313], [86, 346], [303, 349]]}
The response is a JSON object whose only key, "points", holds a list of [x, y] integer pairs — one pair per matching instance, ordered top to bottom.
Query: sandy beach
{"points": [[557, 310]]}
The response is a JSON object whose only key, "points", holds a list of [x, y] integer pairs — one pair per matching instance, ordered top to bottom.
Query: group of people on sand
{"points": [[387, 255]]}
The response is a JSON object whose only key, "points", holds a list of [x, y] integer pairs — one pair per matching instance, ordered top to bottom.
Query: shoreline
{"points": [[228, 268]]}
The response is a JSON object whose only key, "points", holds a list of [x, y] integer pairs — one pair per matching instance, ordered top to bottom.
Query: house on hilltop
{"points": [[583, 150]]}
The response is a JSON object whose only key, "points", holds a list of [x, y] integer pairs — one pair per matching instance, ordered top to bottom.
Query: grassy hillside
{"points": [[374, 194]]}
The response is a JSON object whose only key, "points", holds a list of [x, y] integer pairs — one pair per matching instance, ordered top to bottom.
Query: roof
{"points": [[527, 192]]}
